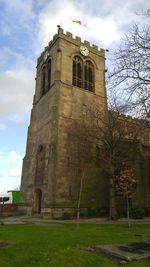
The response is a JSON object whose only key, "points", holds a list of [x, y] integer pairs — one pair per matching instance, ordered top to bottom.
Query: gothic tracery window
{"points": [[77, 71], [83, 74], [89, 76]]}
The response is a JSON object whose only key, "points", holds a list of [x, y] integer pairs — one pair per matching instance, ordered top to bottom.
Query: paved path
{"points": [[47, 220]]}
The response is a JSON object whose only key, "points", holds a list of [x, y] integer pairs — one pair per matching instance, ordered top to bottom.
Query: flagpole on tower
{"points": [[70, 24]]}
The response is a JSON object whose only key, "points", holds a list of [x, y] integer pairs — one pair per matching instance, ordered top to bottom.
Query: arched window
{"points": [[48, 66], [77, 71], [83, 74], [89, 76], [46, 77], [43, 80], [40, 165]]}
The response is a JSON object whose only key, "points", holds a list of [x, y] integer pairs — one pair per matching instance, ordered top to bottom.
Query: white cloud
{"points": [[24, 8], [54, 13], [18, 18], [105, 21], [105, 32], [16, 83], [17, 86], [19, 120], [12, 157], [10, 170], [15, 172], [8, 183]]}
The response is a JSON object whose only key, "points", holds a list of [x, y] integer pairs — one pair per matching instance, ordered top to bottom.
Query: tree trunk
{"points": [[79, 197], [112, 201], [128, 210]]}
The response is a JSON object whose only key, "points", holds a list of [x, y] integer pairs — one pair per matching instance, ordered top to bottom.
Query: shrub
{"points": [[92, 212], [102, 212], [136, 212], [147, 212], [84, 213], [67, 216]]}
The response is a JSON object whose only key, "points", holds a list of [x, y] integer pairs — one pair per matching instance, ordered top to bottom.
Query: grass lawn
{"points": [[60, 245]]}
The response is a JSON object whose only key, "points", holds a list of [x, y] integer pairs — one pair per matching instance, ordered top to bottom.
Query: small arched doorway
{"points": [[37, 201]]}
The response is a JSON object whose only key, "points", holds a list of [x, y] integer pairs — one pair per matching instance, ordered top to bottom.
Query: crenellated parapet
{"points": [[68, 36], [77, 40], [133, 128]]}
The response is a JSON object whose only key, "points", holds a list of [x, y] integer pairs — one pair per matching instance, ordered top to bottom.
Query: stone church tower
{"points": [[70, 77]]}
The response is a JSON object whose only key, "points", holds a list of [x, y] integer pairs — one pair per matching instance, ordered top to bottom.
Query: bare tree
{"points": [[144, 12], [130, 73], [109, 132], [98, 138], [80, 149]]}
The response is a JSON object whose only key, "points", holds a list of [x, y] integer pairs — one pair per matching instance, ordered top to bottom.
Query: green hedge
{"points": [[136, 212]]}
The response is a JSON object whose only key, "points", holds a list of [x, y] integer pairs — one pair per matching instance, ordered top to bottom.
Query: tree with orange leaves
{"points": [[125, 182]]}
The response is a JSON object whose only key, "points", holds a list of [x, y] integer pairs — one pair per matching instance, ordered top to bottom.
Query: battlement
{"points": [[68, 36], [77, 40], [129, 118]]}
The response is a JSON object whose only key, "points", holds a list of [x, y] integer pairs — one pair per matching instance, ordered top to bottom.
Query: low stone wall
{"points": [[8, 209]]}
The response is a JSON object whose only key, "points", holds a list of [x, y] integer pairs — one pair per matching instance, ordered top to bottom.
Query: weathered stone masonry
{"points": [[68, 81], [50, 114]]}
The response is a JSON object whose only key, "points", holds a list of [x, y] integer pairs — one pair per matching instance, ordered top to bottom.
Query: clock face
{"points": [[84, 51]]}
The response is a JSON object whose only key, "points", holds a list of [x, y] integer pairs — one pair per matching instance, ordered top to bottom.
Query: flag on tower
{"points": [[79, 22]]}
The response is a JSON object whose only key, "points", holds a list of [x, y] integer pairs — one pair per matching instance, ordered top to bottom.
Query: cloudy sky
{"points": [[25, 28]]}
